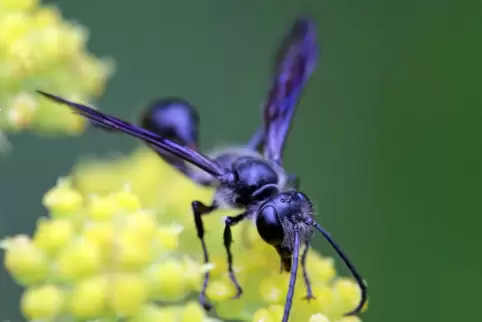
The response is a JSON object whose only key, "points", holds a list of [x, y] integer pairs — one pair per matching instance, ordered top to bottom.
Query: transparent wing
{"points": [[113, 123]]}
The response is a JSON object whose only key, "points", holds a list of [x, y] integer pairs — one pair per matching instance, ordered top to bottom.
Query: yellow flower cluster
{"points": [[39, 50], [101, 255], [103, 258]]}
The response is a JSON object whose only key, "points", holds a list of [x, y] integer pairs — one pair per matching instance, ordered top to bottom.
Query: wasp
{"points": [[253, 181]]}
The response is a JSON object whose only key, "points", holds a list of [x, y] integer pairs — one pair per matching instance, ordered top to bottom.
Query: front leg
{"points": [[199, 209], [228, 240], [309, 292]]}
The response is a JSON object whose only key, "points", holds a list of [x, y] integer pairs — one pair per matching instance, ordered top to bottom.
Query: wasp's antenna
{"points": [[351, 267], [294, 271]]}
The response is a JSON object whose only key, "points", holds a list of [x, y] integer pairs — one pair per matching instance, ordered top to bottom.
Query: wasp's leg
{"points": [[199, 209], [228, 239], [309, 292]]}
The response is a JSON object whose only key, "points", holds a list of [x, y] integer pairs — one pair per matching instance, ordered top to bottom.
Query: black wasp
{"points": [[243, 178]]}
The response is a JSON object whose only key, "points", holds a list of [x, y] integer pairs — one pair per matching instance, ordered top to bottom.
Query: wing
{"points": [[295, 62], [113, 123]]}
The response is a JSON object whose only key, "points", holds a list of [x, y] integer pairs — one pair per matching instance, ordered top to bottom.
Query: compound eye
{"points": [[269, 225]]}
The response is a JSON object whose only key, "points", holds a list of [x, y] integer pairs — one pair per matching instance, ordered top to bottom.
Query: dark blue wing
{"points": [[295, 62], [111, 122]]}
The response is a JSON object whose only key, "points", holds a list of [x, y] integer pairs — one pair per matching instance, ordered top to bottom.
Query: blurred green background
{"points": [[387, 139]]}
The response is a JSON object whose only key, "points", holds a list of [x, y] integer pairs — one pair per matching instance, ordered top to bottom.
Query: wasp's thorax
{"points": [[252, 180]]}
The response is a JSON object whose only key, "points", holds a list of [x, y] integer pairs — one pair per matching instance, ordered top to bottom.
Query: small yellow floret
{"points": [[20, 5], [46, 16], [13, 27], [22, 107], [63, 199], [127, 200], [101, 208], [140, 224], [53, 234], [102, 234], [167, 237], [131, 251], [79, 259], [25, 261], [321, 269], [194, 273], [167, 281], [272, 289], [219, 290], [127, 293], [347, 294], [89, 296], [324, 297], [44, 302], [193, 312], [276, 312], [153, 313], [262, 315], [319, 318], [350, 319]]}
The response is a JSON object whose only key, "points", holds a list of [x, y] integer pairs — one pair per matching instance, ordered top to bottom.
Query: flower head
{"points": [[38, 49], [121, 237]]}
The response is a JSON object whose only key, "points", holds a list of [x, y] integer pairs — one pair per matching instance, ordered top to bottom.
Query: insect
{"points": [[176, 119], [244, 179]]}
